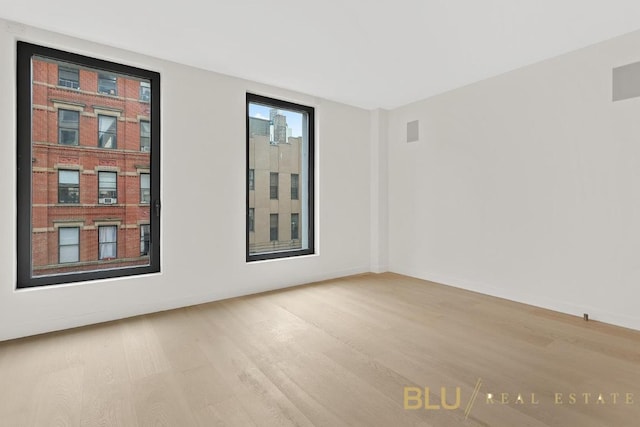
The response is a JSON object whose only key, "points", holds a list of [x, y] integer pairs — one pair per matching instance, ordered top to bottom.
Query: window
{"points": [[68, 77], [107, 84], [145, 92], [68, 124], [107, 131], [145, 136], [280, 145], [273, 185], [68, 186], [294, 186], [107, 188], [145, 188], [52, 223], [294, 225], [273, 227], [145, 239], [108, 242], [68, 244]]}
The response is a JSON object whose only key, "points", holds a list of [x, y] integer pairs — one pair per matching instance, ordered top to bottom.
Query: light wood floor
{"points": [[336, 353]]}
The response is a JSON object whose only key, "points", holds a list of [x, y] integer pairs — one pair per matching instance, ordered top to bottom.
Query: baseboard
{"points": [[595, 313], [42, 326]]}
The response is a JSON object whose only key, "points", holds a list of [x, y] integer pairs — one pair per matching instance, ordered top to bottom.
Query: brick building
{"points": [[91, 160]]}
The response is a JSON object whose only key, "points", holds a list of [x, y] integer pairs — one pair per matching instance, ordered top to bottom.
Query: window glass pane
{"points": [[68, 77], [107, 84], [145, 92], [68, 127], [107, 131], [145, 136], [280, 154], [79, 157], [69, 177], [68, 186], [145, 186], [107, 187], [69, 236], [108, 236], [145, 239], [68, 244], [68, 254]]}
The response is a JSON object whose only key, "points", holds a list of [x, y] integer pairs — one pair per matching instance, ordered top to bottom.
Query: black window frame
{"points": [[25, 53], [64, 127], [309, 183], [62, 186]]}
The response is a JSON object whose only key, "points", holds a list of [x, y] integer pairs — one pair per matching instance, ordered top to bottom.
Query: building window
{"points": [[68, 77], [108, 84], [145, 92], [68, 125], [107, 131], [145, 135], [280, 144], [273, 185], [68, 186], [294, 186], [107, 188], [145, 188], [251, 219], [52, 223], [294, 225], [273, 227], [145, 239], [108, 242], [68, 244]]}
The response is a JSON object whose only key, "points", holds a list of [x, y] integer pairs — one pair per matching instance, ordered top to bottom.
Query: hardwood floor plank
{"points": [[336, 353]]}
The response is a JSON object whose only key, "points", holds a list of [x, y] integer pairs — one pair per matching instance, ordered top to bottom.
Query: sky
{"points": [[294, 119]]}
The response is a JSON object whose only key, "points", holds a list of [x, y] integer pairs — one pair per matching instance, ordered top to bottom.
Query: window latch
{"points": [[157, 206]]}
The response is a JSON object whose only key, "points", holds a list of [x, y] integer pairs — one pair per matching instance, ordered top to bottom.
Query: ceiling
{"points": [[366, 53]]}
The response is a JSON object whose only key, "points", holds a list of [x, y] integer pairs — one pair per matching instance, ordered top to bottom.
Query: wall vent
{"points": [[413, 131]]}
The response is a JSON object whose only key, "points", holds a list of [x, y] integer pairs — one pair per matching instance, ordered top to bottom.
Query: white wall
{"points": [[526, 186], [203, 194]]}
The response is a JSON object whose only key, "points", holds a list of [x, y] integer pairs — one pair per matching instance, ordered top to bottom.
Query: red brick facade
{"points": [[127, 211]]}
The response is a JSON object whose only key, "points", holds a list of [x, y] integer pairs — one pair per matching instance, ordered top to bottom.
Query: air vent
{"points": [[413, 133]]}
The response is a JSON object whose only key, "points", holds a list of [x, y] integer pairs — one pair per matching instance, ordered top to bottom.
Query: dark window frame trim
{"points": [[25, 52], [310, 111]]}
